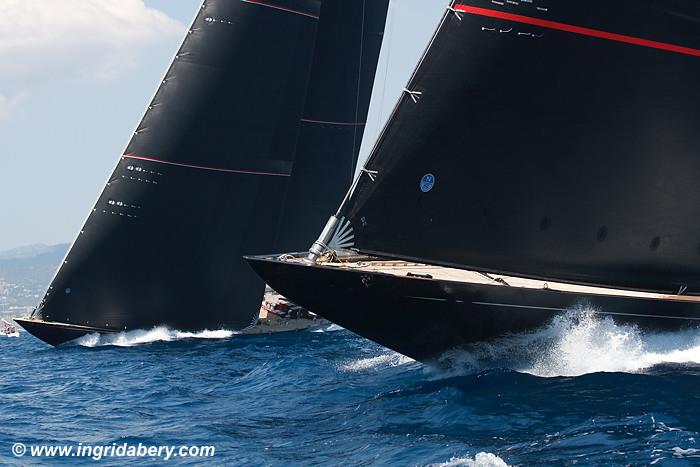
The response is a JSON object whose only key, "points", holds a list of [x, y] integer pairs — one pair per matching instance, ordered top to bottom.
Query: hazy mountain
{"points": [[31, 251], [31, 263], [25, 273]]}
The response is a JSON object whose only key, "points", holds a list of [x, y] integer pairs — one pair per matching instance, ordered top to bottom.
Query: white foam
{"points": [[331, 328], [140, 336], [581, 342], [392, 359], [690, 452], [482, 459]]}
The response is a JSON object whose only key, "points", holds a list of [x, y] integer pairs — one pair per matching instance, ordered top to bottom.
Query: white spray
{"points": [[138, 337], [581, 342]]}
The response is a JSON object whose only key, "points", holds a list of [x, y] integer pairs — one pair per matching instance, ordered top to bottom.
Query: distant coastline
{"points": [[24, 275]]}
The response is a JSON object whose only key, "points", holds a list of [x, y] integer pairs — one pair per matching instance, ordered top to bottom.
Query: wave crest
{"points": [[332, 328], [143, 336], [580, 342], [392, 359], [482, 459]]}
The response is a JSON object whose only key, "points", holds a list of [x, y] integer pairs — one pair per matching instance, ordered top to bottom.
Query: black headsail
{"points": [[345, 60], [548, 139], [201, 182]]}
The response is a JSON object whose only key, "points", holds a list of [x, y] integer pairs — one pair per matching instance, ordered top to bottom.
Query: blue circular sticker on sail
{"points": [[427, 183]]}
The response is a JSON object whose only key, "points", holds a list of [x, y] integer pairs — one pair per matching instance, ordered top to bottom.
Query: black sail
{"points": [[349, 40], [547, 139], [201, 182]]}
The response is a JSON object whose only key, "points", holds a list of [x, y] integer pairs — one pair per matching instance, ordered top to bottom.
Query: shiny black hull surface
{"points": [[423, 318], [57, 333]]}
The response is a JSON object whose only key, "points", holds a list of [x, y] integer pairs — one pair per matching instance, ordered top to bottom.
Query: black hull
{"points": [[424, 318], [57, 333]]}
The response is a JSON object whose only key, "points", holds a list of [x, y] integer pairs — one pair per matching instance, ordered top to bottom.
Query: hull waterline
{"points": [[423, 318], [57, 333]]}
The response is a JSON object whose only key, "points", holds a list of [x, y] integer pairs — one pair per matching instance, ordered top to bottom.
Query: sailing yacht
{"points": [[543, 157], [222, 164]]}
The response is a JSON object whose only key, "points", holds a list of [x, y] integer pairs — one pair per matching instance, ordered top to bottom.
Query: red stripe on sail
{"points": [[279, 7], [543, 23], [204, 167]]}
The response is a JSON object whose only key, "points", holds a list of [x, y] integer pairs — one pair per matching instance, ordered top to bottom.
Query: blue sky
{"points": [[76, 77]]}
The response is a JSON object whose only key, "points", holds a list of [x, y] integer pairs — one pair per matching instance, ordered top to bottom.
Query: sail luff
{"points": [[366, 170], [75, 237]]}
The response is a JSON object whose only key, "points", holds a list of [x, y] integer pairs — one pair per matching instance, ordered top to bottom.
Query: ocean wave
{"points": [[331, 328], [143, 336], [577, 343], [392, 359], [253, 392], [679, 452], [482, 459]]}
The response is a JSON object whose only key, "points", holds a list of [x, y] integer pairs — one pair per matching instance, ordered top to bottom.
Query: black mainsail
{"points": [[345, 62], [540, 140], [546, 140], [212, 167], [161, 245]]}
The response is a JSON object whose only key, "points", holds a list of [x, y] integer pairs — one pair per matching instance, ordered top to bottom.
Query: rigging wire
{"points": [[389, 30], [359, 90]]}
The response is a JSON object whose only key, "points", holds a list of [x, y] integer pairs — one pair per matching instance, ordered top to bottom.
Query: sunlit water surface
{"points": [[583, 390]]}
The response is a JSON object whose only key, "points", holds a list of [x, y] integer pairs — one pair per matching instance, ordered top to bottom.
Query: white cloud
{"points": [[67, 39]]}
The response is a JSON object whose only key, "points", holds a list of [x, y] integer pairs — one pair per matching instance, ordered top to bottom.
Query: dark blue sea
{"points": [[582, 391]]}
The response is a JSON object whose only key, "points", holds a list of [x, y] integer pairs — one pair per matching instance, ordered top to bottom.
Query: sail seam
{"points": [[282, 8], [599, 34], [204, 167]]}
